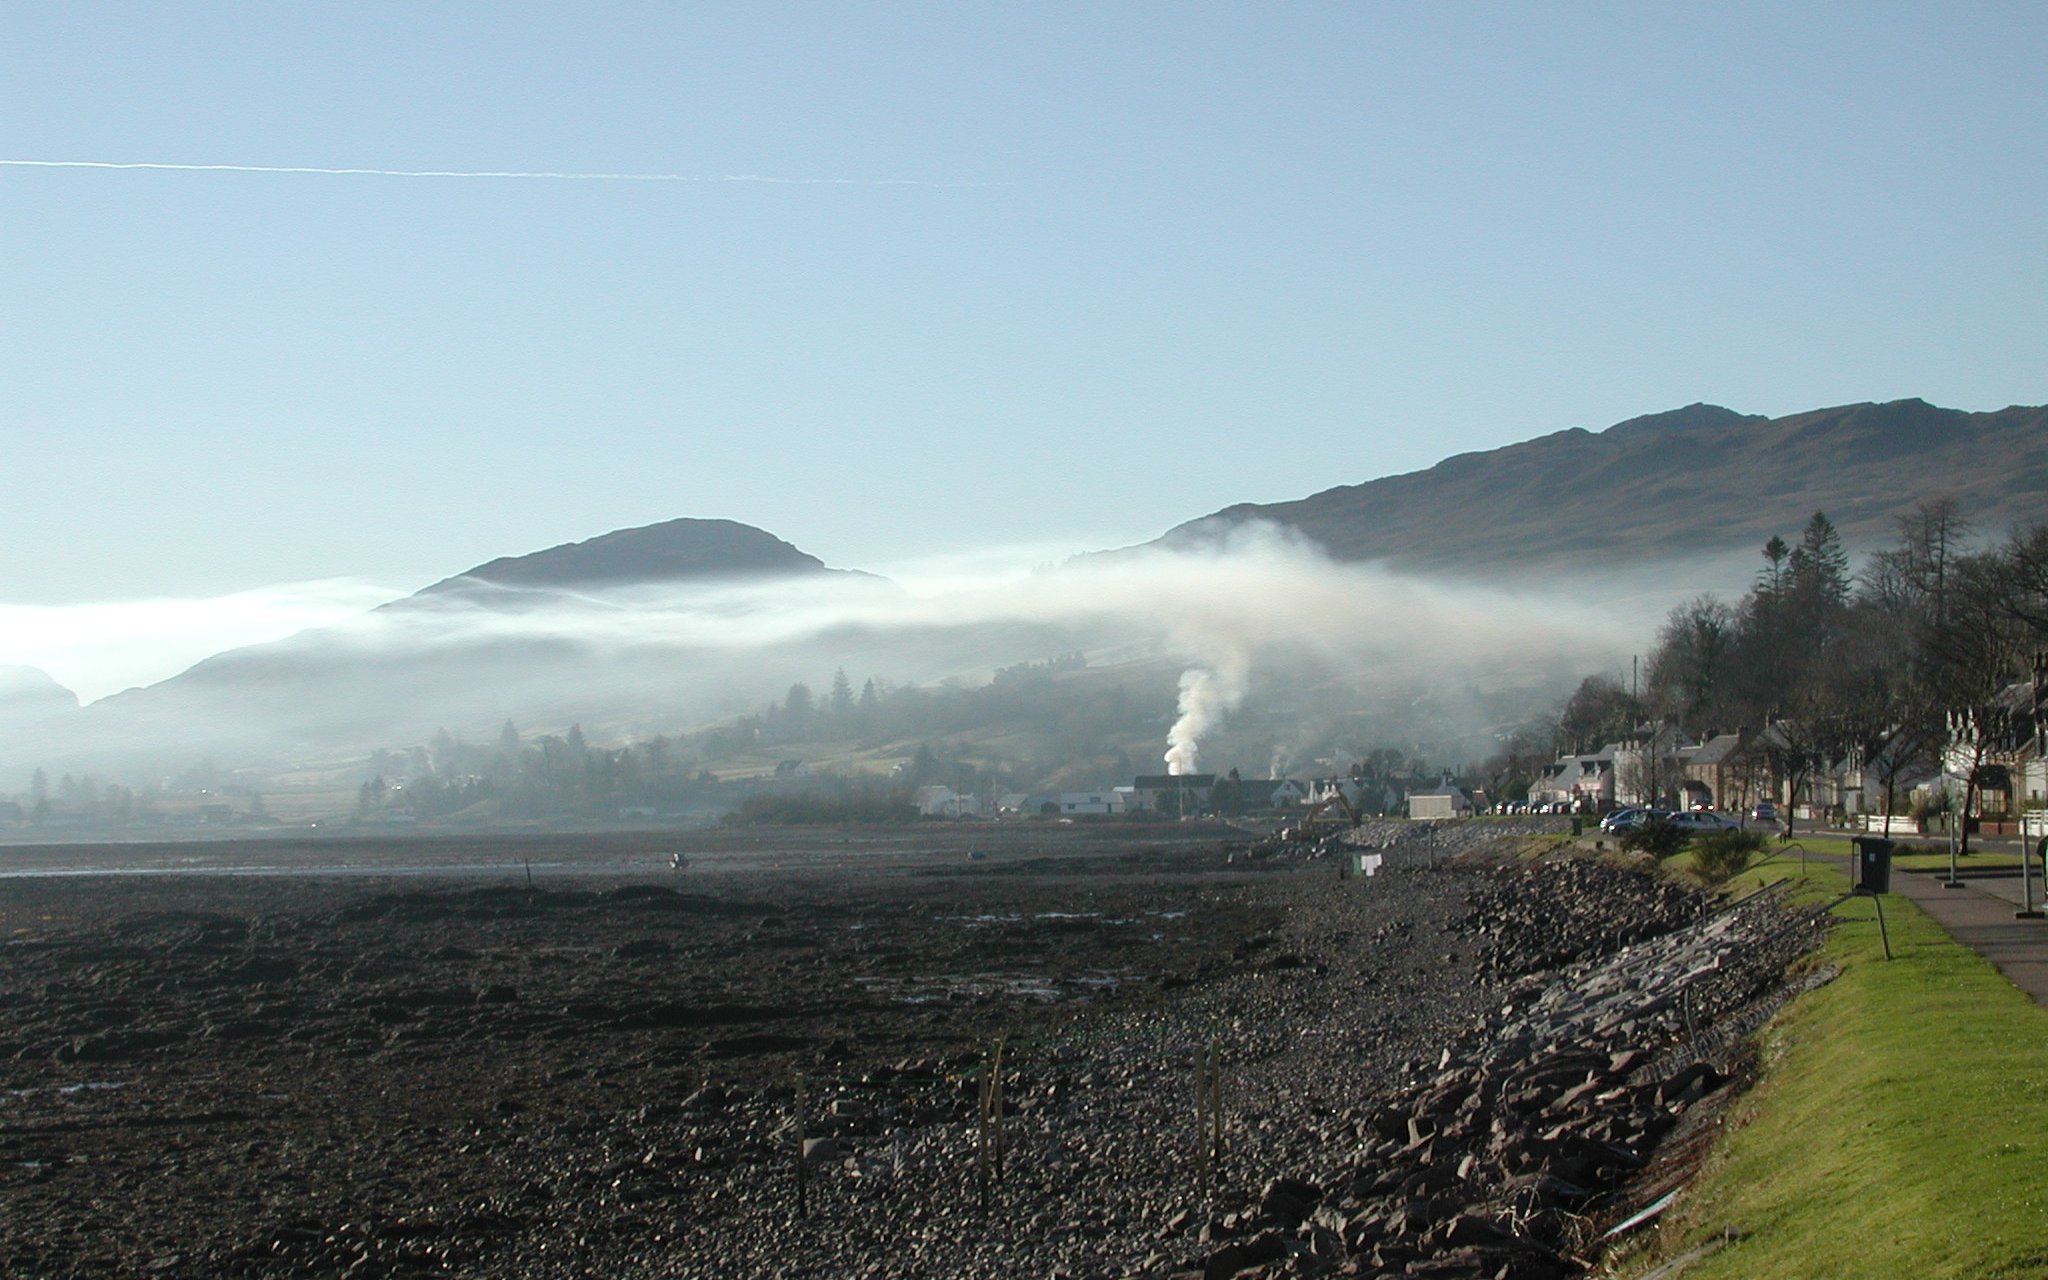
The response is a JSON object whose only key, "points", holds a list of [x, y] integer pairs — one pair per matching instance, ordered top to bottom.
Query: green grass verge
{"points": [[1939, 861], [1900, 1124]]}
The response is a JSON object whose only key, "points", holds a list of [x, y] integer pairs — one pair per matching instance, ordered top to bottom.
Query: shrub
{"points": [[1656, 837], [1720, 854]]}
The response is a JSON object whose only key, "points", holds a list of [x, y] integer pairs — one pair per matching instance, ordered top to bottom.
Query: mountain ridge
{"points": [[1699, 479], [1692, 484]]}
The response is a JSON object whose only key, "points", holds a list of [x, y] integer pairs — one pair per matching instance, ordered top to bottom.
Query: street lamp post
{"points": [[1954, 835]]}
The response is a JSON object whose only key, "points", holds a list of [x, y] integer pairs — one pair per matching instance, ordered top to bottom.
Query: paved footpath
{"points": [[1980, 916]]}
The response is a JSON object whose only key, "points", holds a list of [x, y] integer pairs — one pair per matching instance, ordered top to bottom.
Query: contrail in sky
{"points": [[491, 173]]}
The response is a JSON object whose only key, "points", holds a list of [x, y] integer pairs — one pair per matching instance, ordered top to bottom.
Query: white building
{"points": [[1323, 789], [1446, 801], [943, 802]]}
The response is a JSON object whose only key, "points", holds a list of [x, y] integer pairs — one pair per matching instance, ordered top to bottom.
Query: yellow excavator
{"points": [[1320, 814]]}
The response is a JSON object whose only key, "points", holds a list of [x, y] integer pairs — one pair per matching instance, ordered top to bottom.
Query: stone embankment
{"points": [[1444, 1072], [1504, 1160]]}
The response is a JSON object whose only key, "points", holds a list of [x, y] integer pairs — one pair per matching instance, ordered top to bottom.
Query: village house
{"points": [[1994, 754], [1647, 767], [1734, 772], [1716, 776], [2031, 777], [1585, 782], [1836, 787], [1324, 790], [1373, 792], [1173, 793], [1248, 795], [1445, 800], [936, 801], [942, 802], [1079, 803]]}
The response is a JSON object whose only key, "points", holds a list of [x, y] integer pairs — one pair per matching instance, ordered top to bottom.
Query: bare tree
{"points": [[2026, 568], [1688, 669], [1598, 711]]}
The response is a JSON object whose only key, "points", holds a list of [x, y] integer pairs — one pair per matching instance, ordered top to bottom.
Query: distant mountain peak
{"points": [[1698, 416], [673, 551], [28, 692]]}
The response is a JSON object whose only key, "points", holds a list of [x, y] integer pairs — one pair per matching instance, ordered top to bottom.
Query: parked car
{"points": [[1630, 819], [1619, 820], [1698, 822]]}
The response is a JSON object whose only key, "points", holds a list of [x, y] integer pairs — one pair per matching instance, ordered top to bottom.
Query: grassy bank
{"points": [[1900, 1127]]}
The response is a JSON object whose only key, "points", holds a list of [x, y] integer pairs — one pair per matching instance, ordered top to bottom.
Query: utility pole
{"points": [[2016, 734], [1646, 751], [2016, 786]]}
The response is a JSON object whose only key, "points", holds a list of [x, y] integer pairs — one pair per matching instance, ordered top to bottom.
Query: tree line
{"points": [[1885, 669], [556, 775]]}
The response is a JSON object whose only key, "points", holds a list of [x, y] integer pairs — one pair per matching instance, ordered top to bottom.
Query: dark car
{"points": [[1630, 819]]}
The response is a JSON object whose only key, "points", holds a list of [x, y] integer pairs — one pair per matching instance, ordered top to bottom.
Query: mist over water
{"points": [[1256, 618], [102, 648]]}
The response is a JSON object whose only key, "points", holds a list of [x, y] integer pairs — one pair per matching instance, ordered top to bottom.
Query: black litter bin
{"points": [[1873, 870]]}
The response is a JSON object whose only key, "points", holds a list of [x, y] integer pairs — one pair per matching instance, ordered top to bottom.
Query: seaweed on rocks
{"points": [[1452, 1068]]}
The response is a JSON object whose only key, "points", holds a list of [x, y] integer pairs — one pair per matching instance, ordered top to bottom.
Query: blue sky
{"points": [[1171, 257]]}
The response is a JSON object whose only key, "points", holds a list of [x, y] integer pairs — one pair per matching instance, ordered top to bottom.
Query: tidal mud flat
{"points": [[1208, 1066]]}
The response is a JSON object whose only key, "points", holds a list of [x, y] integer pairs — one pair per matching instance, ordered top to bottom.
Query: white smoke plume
{"points": [[1207, 694], [1282, 761]]}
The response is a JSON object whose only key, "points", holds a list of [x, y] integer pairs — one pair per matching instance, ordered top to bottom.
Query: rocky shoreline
{"points": [[1459, 1069]]}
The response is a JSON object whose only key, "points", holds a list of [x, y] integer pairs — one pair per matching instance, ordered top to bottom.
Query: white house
{"points": [[1649, 770], [1581, 781], [1322, 789], [1446, 801], [942, 802]]}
